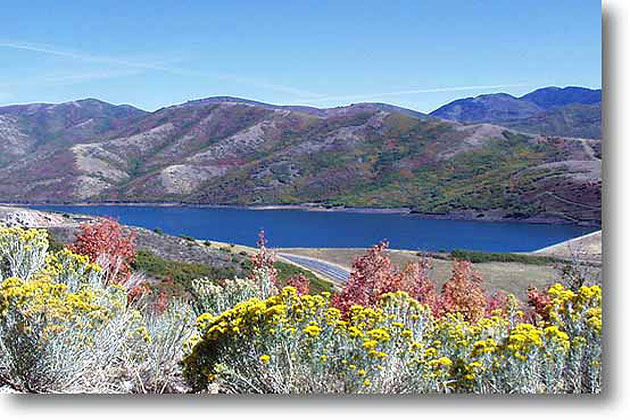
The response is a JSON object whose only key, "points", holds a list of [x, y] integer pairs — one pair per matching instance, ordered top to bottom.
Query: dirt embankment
{"points": [[19, 217], [587, 247]]}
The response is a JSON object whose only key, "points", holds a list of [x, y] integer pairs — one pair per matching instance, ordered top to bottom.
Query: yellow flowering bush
{"points": [[22, 251], [579, 315], [64, 329], [52, 333], [292, 343], [301, 344]]}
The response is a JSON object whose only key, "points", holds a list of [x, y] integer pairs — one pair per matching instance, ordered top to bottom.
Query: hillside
{"points": [[570, 111], [25, 129], [226, 150]]}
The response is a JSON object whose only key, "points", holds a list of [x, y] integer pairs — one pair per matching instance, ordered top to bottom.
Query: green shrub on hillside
{"points": [[482, 257], [181, 272]]}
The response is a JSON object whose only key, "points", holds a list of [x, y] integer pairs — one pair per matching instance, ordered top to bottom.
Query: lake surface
{"points": [[301, 228]]}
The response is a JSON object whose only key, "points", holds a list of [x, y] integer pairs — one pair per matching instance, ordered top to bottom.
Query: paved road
{"points": [[334, 272]]}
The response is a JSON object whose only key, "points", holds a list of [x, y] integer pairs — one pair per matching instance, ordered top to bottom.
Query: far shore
{"points": [[305, 207], [492, 216]]}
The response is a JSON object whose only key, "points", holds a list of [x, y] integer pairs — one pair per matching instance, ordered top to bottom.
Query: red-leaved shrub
{"points": [[105, 243], [263, 260], [372, 275], [415, 281], [301, 283], [463, 293], [539, 302]]}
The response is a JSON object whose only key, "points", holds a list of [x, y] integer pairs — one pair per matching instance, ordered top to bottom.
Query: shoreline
{"points": [[305, 206], [493, 216]]}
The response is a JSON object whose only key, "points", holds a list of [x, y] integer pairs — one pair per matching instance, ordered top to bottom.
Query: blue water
{"points": [[299, 228]]}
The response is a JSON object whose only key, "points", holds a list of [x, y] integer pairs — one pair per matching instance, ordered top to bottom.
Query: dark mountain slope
{"points": [[552, 97], [487, 108], [570, 111], [576, 120]]}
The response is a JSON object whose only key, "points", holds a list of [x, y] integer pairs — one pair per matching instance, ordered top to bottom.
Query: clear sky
{"points": [[418, 54]]}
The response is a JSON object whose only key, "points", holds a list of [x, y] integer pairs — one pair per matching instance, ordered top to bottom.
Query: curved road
{"points": [[334, 272]]}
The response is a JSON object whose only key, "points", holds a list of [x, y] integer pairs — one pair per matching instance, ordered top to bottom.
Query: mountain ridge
{"points": [[224, 150]]}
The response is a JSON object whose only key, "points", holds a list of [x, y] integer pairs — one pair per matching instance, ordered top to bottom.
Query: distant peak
{"points": [[500, 95], [553, 96], [223, 99], [92, 100]]}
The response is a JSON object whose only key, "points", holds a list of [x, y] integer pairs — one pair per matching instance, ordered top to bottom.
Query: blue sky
{"points": [[418, 54]]}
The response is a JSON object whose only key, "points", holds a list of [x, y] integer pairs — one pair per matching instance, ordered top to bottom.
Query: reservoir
{"points": [[338, 229]]}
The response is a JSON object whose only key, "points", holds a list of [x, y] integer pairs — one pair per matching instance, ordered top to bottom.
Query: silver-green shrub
{"points": [[63, 329]]}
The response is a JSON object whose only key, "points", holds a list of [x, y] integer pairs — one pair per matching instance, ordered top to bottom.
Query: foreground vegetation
{"points": [[79, 319]]}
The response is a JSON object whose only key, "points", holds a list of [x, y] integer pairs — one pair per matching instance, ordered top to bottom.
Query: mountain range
{"points": [[570, 111], [536, 157]]}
